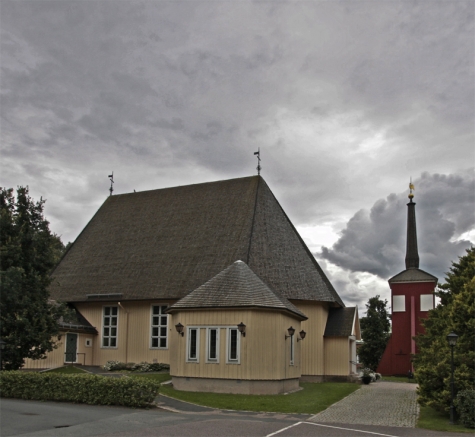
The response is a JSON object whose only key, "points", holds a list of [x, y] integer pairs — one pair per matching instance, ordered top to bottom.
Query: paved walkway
{"points": [[379, 403]]}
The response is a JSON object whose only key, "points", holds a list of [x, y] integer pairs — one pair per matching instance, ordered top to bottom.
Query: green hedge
{"points": [[80, 388], [465, 406]]}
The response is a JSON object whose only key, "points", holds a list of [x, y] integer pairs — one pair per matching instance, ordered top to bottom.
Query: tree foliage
{"points": [[29, 251], [456, 312], [375, 332]]}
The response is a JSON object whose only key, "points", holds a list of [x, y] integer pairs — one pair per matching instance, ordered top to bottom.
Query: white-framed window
{"points": [[427, 302], [399, 303], [110, 325], [159, 327], [193, 345], [212, 345], [233, 347], [292, 350]]}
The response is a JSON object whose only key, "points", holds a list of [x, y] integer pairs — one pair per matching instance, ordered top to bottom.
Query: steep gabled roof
{"points": [[162, 244], [412, 275], [237, 286], [341, 321]]}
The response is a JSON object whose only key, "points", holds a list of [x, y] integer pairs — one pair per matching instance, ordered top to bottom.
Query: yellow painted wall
{"points": [[133, 343], [264, 351], [337, 356], [56, 357], [53, 359], [313, 362]]}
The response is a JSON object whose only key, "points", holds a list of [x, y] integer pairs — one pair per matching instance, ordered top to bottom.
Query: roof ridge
{"points": [[183, 186], [253, 220], [309, 253]]}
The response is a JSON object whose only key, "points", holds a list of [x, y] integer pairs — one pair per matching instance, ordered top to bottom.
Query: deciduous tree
{"points": [[29, 251], [375, 332]]}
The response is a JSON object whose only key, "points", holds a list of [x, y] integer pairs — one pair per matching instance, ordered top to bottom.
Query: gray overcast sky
{"points": [[346, 100]]}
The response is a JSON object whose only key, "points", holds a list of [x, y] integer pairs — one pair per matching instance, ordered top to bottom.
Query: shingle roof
{"points": [[162, 244], [413, 275], [234, 287], [340, 322], [77, 323]]}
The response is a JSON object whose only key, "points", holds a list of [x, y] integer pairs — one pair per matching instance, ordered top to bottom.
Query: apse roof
{"points": [[237, 286]]}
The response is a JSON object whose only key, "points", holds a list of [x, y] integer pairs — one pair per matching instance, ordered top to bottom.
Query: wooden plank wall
{"points": [[134, 342], [265, 353], [337, 356], [313, 362]]}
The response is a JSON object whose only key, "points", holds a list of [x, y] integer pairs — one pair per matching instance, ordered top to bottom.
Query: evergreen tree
{"points": [[29, 251], [456, 312], [375, 332]]}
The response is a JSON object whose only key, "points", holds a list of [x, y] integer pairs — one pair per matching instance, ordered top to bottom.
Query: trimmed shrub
{"points": [[114, 365], [146, 367], [78, 388], [465, 406]]}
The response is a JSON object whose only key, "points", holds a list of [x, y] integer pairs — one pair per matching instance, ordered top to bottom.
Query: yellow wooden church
{"points": [[212, 279]]}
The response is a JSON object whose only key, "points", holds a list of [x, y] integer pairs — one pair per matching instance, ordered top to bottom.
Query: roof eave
{"points": [[172, 310]]}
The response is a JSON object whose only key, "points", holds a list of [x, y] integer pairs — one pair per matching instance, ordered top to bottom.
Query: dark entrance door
{"points": [[71, 348]]}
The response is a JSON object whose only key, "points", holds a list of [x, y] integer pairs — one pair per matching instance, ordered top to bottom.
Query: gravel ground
{"points": [[379, 403]]}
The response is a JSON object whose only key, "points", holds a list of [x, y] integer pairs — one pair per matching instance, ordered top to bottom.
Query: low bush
{"points": [[114, 365], [140, 367], [146, 367], [86, 389], [465, 406]]}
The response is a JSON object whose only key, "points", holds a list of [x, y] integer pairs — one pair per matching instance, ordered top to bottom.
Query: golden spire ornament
{"points": [[411, 188]]}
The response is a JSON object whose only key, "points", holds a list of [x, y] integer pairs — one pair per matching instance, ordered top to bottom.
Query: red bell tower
{"points": [[412, 296]]}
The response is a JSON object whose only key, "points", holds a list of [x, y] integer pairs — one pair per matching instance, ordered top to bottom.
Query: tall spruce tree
{"points": [[29, 251], [456, 312], [375, 332]]}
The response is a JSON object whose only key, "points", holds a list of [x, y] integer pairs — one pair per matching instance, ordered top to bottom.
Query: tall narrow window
{"points": [[109, 326], [159, 328], [212, 345], [193, 346], [233, 346], [292, 350]]}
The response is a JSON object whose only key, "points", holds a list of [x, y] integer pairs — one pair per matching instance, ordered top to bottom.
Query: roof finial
{"points": [[258, 153], [111, 177], [411, 187]]}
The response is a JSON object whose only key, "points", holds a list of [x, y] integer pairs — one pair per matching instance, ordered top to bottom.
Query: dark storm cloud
{"points": [[335, 94], [374, 241]]}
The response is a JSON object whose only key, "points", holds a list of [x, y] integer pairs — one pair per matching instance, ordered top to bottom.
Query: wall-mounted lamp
{"points": [[179, 328], [242, 329], [291, 332], [302, 334]]}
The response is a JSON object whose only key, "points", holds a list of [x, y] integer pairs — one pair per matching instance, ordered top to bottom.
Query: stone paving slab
{"points": [[379, 403]]}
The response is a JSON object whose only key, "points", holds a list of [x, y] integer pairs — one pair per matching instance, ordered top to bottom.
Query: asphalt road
{"points": [[52, 419]]}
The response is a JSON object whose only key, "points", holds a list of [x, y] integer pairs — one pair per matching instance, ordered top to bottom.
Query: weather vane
{"points": [[258, 153], [111, 177], [411, 187]]}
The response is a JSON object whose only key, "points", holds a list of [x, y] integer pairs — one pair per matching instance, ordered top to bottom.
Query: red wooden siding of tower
{"points": [[405, 324]]}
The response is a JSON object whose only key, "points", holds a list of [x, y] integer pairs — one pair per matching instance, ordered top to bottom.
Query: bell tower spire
{"points": [[412, 255]]}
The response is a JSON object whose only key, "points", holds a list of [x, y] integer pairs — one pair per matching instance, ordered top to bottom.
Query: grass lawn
{"points": [[67, 369], [160, 377], [399, 379], [311, 400], [431, 419]]}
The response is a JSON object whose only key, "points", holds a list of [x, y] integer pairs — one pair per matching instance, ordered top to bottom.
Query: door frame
{"points": [[69, 335]]}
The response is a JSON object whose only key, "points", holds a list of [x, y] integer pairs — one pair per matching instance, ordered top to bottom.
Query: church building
{"points": [[212, 279]]}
